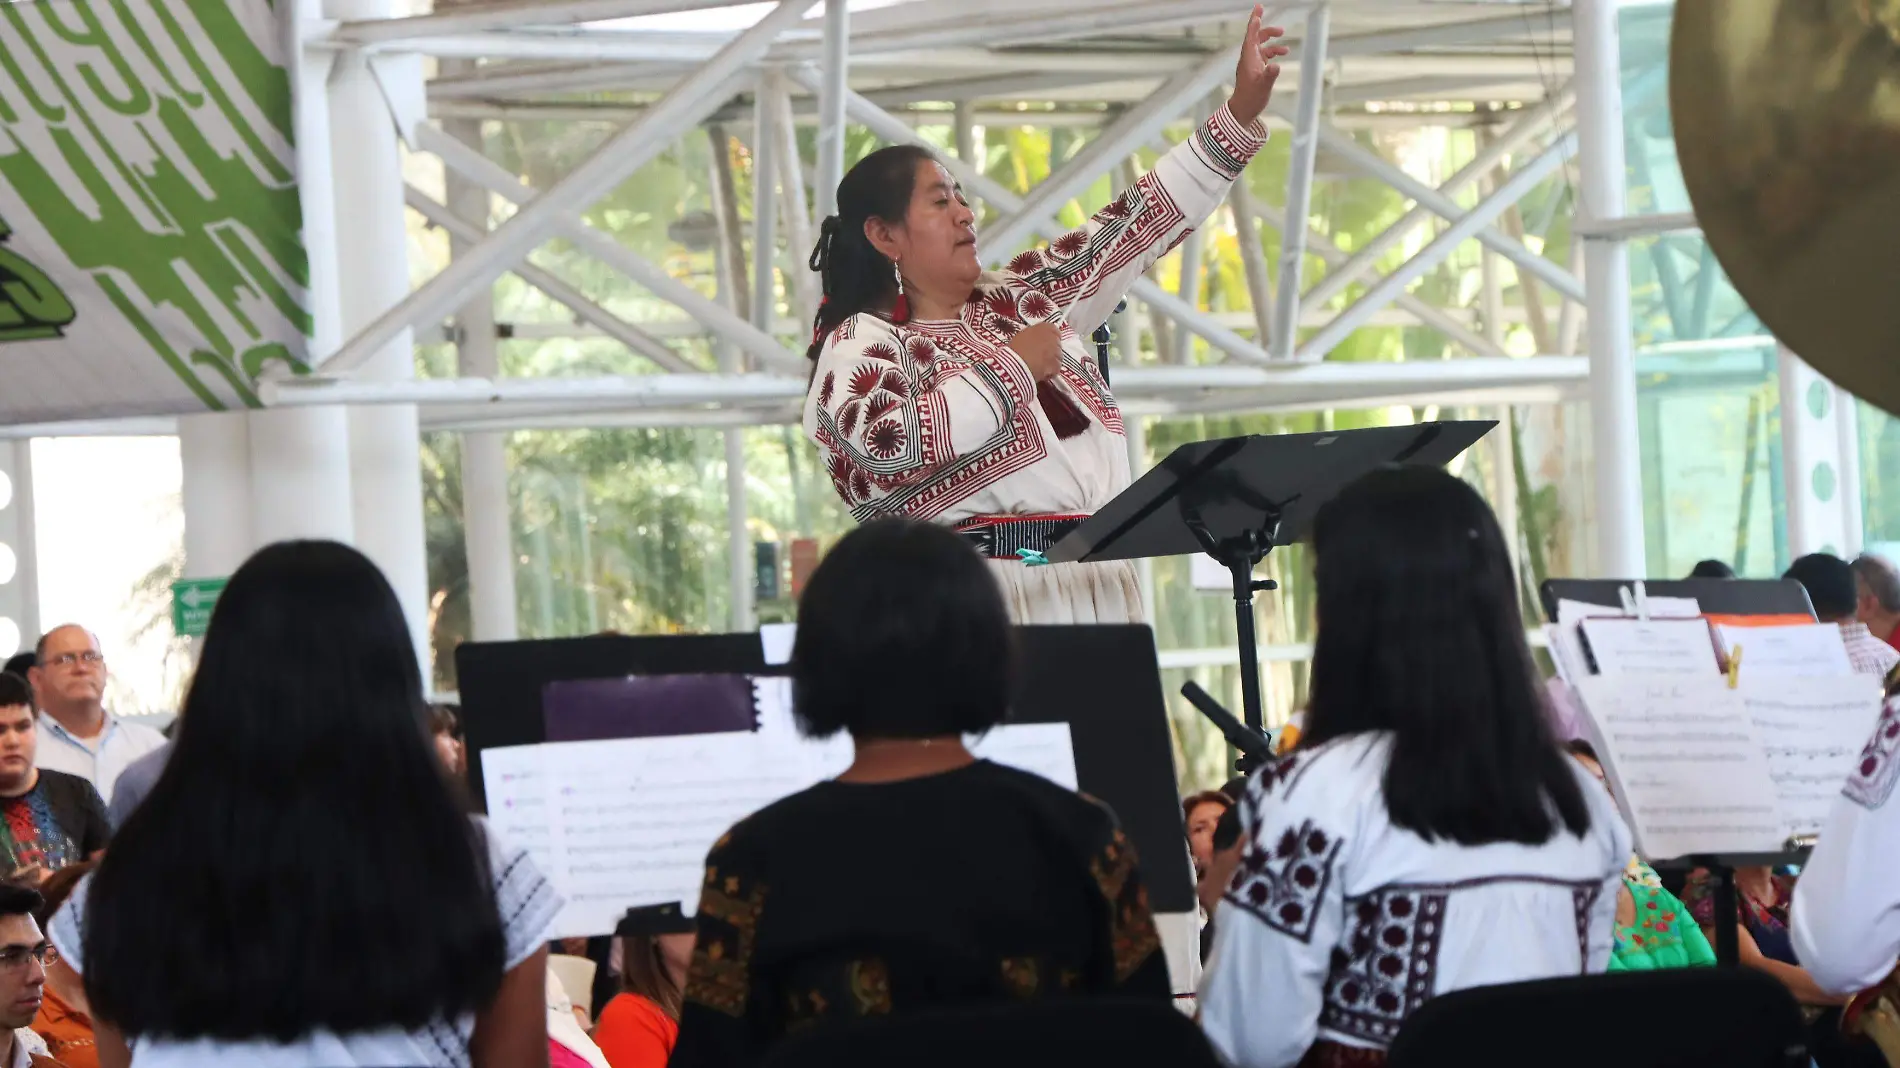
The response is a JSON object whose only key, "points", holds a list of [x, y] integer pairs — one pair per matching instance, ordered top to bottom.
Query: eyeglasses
{"points": [[88, 658], [13, 958]]}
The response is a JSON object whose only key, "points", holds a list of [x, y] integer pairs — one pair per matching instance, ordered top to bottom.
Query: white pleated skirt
{"points": [[1107, 592]]}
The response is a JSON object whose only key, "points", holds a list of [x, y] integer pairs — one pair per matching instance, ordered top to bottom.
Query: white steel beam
{"points": [[502, 16], [1514, 26], [831, 94], [1522, 129], [1120, 138], [620, 156], [1372, 164], [1522, 181], [1299, 182], [799, 234], [1253, 258], [560, 292], [764, 304], [720, 320], [625, 391]]}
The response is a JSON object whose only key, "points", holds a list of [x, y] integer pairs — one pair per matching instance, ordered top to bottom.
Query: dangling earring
{"points": [[900, 312]]}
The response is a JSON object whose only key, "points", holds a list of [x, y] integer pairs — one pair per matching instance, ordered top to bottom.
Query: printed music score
{"points": [[1654, 646], [1811, 650], [1698, 768], [626, 822]]}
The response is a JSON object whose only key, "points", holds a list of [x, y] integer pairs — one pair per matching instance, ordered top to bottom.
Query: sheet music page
{"points": [[1659, 608], [1653, 647], [1804, 650], [1812, 730], [1045, 749], [1685, 763], [515, 782]]}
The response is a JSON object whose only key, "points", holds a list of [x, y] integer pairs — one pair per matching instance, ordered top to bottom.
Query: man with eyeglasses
{"points": [[79, 736], [24, 955]]}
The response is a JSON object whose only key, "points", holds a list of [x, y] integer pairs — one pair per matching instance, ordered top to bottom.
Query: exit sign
{"points": [[192, 601]]}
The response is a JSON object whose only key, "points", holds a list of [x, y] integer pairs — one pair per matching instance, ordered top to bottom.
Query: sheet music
{"points": [[1659, 608], [776, 640], [1654, 647], [1803, 650], [1811, 730], [1686, 764], [615, 824]]}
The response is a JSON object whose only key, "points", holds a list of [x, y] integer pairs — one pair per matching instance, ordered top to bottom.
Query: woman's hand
{"points": [[1254, 77], [1040, 346]]}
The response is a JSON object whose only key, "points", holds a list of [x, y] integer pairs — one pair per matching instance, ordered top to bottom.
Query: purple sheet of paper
{"points": [[648, 706]]}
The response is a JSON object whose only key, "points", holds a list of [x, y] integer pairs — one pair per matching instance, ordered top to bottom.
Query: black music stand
{"points": [[1235, 499]]}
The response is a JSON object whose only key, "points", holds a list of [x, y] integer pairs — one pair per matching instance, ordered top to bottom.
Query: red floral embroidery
{"points": [[1117, 208], [1070, 243], [1026, 262], [1001, 303], [1037, 306], [880, 351], [921, 352], [865, 379], [893, 383], [826, 387], [879, 406], [848, 417], [884, 440], [861, 485]]}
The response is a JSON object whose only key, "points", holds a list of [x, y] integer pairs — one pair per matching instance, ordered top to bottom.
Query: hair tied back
{"points": [[821, 252]]}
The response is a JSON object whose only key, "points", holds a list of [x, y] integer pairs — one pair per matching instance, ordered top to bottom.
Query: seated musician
{"points": [[1428, 834]]}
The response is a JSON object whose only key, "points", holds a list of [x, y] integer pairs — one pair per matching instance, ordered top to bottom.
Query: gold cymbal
{"points": [[1787, 124]]}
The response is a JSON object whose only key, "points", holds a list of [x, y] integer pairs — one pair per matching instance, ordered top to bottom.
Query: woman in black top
{"points": [[922, 877]]}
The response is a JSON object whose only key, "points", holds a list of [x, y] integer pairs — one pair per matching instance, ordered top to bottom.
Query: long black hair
{"points": [[856, 276], [1420, 634], [303, 863]]}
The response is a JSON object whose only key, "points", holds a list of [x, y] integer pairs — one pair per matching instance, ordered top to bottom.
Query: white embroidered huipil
{"points": [[940, 420], [1845, 920], [1339, 925]]}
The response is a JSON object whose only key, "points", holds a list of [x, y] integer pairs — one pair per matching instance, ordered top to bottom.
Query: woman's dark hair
{"points": [[856, 276], [1711, 569], [902, 634], [1420, 634], [15, 690], [445, 719], [1205, 797], [332, 883], [58, 887], [643, 972]]}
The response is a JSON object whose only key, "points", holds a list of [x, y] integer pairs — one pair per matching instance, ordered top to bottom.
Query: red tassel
{"points": [[900, 312], [1065, 418]]}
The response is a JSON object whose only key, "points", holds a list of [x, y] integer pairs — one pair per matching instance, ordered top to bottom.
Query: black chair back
{"points": [[1685, 1018], [1095, 1031]]}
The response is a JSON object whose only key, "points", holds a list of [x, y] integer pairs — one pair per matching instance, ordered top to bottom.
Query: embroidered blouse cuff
{"points": [[1227, 145]]}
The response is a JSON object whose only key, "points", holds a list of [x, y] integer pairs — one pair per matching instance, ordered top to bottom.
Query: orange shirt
{"points": [[67, 1031], [633, 1032]]}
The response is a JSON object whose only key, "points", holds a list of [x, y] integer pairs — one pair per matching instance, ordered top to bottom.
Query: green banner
{"points": [[150, 250]]}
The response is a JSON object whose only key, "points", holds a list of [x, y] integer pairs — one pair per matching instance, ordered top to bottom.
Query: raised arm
{"points": [[1088, 271], [892, 413], [1846, 915]]}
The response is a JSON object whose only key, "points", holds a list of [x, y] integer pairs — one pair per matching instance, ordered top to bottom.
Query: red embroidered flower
{"points": [[1118, 208], [1070, 243], [1026, 262], [1001, 303], [1037, 306], [1004, 328], [880, 351], [921, 352], [865, 379], [893, 382], [825, 387], [880, 405], [848, 414], [884, 440], [839, 466], [861, 485]]}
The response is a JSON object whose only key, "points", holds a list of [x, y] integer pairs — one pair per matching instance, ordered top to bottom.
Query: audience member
{"points": [[1711, 569], [1877, 584], [1832, 589], [445, 730], [82, 738], [135, 782], [1201, 813], [48, 819], [1428, 834], [1228, 844], [960, 881], [302, 888], [1763, 899], [1653, 928], [24, 956], [64, 1022], [640, 1026], [569, 1045]]}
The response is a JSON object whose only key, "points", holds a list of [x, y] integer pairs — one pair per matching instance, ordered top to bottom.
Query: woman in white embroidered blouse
{"points": [[965, 397], [1427, 834]]}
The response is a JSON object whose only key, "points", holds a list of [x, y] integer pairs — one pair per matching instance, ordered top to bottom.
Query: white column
{"points": [[830, 170], [373, 264], [1136, 427], [1847, 434], [1615, 448], [214, 452], [299, 458], [1811, 460], [487, 511], [19, 583]]}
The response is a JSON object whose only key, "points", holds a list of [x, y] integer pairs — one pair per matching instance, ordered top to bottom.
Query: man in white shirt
{"points": [[77, 735]]}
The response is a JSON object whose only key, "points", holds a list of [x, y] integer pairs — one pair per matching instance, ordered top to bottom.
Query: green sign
{"points": [[192, 601]]}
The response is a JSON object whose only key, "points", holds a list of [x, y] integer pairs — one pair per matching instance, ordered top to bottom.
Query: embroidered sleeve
{"points": [[1088, 271], [894, 414], [1845, 919], [1278, 931], [1135, 963], [719, 1006]]}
